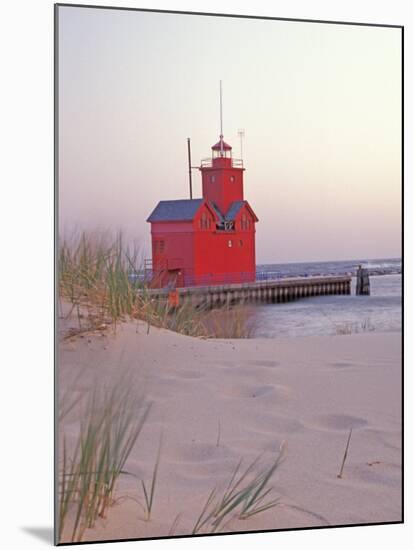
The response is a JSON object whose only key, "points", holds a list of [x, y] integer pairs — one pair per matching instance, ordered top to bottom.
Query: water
{"points": [[385, 266], [322, 315]]}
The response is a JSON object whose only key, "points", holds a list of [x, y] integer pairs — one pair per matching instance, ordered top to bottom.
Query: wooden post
{"points": [[362, 282]]}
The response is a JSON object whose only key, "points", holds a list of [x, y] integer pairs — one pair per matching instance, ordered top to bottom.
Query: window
{"points": [[212, 179], [232, 179], [205, 221], [245, 222], [230, 243], [159, 246]]}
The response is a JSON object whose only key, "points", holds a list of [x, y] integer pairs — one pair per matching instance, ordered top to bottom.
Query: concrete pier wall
{"points": [[276, 291]]}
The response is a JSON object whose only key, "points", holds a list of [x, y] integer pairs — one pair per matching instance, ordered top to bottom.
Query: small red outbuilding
{"points": [[210, 240]]}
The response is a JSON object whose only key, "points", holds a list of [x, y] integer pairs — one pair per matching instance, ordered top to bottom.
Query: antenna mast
{"points": [[221, 120], [240, 131], [189, 167]]}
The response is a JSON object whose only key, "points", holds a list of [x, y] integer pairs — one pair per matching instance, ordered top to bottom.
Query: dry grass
{"points": [[99, 277], [229, 322], [354, 327], [341, 471]]}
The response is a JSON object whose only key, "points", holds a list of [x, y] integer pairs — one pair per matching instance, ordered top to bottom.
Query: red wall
{"points": [[222, 191], [177, 253], [197, 255], [215, 262]]}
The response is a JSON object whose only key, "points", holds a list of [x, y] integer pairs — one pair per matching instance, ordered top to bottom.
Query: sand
{"points": [[217, 401]]}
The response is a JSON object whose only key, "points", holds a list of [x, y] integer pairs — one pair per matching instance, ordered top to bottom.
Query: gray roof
{"points": [[234, 209], [181, 210], [217, 211]]}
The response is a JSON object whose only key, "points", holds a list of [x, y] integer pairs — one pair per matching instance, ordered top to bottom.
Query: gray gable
{"points": [[234, 209], [180, 210], [217, 212]]}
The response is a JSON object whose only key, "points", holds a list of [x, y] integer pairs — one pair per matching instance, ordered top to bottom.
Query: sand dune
{"points": [[219, 401]]}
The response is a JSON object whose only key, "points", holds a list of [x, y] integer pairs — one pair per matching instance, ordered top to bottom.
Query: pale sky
{"points": [[320, 105]]}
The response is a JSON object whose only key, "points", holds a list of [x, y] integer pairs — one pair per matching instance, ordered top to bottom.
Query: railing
{"points": [[208, 162], [268, 275], [228, 278], [190, 279], [217, 279]]}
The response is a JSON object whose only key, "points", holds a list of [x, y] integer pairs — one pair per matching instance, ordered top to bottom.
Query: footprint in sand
{"points": [[262, 363], [236, 364], [342, 365], [188, 374], [169, 387], [249, 391], [339, 422], [276, 424], [389, 439], [201, 453], [384, 474], [304, 514]]}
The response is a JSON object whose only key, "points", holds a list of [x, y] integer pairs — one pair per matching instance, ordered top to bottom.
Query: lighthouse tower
{"points": [[222, 177], [211, 240]]}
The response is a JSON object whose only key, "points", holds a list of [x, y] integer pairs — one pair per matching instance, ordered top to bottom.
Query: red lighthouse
{"points": [[210, 240]]}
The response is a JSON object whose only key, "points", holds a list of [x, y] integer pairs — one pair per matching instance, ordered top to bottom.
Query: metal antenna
{"points": [[221, 120], [240, 131], [189, 167]]}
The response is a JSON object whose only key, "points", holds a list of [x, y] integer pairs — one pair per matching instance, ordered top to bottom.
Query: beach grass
{"points": [[95, 277], [101, 278], [110, 425], [149, 491], [246, 494]]}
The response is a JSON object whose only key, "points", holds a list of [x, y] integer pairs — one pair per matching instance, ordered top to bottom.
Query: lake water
{"points": [[321, 315]]}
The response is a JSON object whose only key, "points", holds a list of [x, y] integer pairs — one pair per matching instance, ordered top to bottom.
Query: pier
{"points": [[362, 282], [270, 291]]}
